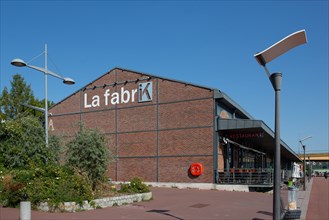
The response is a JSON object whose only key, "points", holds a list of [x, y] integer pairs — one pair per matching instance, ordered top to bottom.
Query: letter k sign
{"points": [[145, 92]]}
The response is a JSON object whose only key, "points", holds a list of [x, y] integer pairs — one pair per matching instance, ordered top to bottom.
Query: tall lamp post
{"points": [[263, 58], [66, 80], [304, 162], [309, 169]]}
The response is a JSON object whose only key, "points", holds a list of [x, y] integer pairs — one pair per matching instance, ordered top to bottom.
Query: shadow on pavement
{"points": [[164, 212], [265, 213]]}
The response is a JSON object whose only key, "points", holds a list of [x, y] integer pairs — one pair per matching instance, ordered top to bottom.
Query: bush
{"points": [[22, 144], [55, 146], [89, 154], [28, 166], [52, 184], [135, 186], [10, 191]]}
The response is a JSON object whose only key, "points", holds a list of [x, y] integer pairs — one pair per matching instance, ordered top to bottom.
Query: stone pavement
{"points": [[303, 198], [173, 203], [318, 206]]}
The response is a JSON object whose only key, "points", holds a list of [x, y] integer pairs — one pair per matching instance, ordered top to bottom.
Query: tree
{"points": [[20, 93], [10, 102], [22, 143], [89, 154]]}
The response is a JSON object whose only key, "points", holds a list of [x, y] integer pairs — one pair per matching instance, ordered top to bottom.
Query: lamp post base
{"points": [[25, 210]]}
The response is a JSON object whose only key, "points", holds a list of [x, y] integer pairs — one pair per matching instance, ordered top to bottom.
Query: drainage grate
{"points": [[199, 205]]}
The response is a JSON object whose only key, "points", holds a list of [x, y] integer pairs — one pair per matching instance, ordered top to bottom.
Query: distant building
{"points": [[165, 130], [319, 162]]}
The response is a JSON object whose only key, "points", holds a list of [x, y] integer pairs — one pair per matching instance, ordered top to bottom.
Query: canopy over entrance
{"points": [[254, 133]]}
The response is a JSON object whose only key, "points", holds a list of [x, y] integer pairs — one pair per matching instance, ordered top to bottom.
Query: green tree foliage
{"points": [[20, 93], [10, 102], [22, 143], [56, 147], [89, 154]]}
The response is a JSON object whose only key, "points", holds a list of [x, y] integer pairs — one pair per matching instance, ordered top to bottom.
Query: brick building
{"points": [[157, 127]]}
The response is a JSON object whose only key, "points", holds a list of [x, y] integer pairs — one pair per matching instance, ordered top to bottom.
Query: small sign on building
{"points": [[145, 92]]}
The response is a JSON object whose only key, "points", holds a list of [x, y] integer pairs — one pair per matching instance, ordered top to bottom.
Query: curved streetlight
{"points": [[264, 57], [21, 63], [304, 162]]}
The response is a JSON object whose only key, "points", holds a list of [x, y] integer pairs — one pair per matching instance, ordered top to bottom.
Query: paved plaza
{"points": [[173, 203]]}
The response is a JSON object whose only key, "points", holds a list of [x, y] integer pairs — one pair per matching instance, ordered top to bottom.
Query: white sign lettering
{"points": [[145, 92], [120, 97], [94, 101], [51, 125]]}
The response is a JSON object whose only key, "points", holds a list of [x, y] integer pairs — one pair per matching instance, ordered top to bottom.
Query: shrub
{"points": [[22, 144], [55, 146], [89, 154], [28, 166], [52, 184], [135, 186], [10, 191]]}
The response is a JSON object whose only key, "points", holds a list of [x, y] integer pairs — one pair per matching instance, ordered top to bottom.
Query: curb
{"points": [[95, 204]]}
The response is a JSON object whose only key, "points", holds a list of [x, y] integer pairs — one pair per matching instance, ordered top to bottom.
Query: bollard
{"points": [[292, 198], [25, 209], [293, 212]]}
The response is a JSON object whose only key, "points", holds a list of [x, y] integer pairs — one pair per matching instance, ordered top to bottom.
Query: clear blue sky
{"points": [[211, 43]]}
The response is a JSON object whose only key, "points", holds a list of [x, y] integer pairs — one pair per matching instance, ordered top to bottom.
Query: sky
{"points": [[210, 43]]}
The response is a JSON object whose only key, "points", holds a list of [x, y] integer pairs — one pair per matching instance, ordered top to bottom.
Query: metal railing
{"points": [[246, 177]]}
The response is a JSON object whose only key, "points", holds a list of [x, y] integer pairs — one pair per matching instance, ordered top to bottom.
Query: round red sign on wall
{"points": [[196, 169]]}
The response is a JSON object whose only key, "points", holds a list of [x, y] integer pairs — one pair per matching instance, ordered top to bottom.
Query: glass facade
{"points": [[239, 158]]}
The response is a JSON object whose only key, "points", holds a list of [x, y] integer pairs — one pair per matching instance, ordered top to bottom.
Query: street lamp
{"points": [[263, 58], [66, 80], [304, 163]]}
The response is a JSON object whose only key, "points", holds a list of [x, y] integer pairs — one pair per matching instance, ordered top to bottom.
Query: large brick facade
{"points": [[156, 140]]}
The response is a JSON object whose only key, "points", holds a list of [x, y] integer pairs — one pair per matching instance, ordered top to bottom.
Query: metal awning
{"points": [[257, 133], [244, 147]]}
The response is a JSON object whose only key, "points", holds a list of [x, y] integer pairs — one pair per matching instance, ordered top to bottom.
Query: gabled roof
{"points": [[138, 72], [165, 78], [217, 93]]}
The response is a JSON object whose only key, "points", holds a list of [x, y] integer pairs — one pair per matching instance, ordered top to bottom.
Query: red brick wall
{"points": [[69, 105], [186, 114], [137, 119], [101, 120], [65, 125], [169, 133], [185, 142], [137, 144], [144, 168], [176, 169]]}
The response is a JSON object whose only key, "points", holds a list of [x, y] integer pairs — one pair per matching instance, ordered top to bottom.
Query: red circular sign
{"points": [[196, 169]]}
